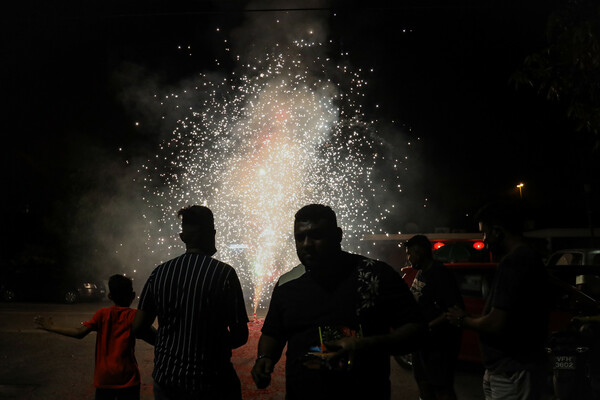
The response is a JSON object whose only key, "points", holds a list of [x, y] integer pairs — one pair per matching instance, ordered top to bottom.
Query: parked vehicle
{"points": [[575, 257], [472, 264], [475, 281], [49, 283], [575, 361]]}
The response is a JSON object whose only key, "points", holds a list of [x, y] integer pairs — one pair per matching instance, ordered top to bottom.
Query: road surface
{"points": [[35, 364]]}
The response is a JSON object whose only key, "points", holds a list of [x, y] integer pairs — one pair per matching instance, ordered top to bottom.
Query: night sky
{"points": [[75, 76]]}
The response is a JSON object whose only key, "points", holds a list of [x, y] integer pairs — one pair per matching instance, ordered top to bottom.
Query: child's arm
{"points": [[48, 325]]}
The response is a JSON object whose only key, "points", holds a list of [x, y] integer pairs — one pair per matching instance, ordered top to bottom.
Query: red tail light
{"points": [[478, 245]]}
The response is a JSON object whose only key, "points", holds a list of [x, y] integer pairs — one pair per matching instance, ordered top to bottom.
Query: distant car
{"points": [[575, 257], [475, 281], [49, 283]]}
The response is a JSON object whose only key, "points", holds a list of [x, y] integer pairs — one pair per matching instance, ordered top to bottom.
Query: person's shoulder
{"points": [[367, 262], [220, 263], [167, 264], [369, 266], [225, 268], [291, 275], [105, 310], [122, 311], [103, 313]]}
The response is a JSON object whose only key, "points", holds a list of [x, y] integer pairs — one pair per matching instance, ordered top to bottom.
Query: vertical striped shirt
{"points": [[196, 298]]}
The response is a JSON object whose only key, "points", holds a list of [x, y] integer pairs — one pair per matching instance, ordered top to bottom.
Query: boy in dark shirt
{"points": [[116, 373]]}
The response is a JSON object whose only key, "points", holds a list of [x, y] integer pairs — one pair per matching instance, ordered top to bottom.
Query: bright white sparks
{"points": [[284, 131]]}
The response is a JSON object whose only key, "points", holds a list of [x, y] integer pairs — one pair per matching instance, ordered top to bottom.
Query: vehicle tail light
{"points": [[478, 245]]}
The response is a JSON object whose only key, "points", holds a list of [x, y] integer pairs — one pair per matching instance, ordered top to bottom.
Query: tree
{"points": [[568, 69]]}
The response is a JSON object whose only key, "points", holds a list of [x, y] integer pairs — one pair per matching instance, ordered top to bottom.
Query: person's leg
{"points": [[441, 367], [434, 372], [421, 376], [231, 387], [425, 391], [128, 393], [161, 393], [445, 393], [104, 394]]}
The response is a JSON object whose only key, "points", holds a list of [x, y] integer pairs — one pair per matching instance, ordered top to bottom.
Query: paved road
{"points": [[35, 364]]}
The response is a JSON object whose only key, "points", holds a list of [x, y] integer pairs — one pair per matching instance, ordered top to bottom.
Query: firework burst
{"points": [[283, 131]]}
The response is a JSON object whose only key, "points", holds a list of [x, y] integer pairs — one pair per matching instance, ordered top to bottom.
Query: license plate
{"points": [[565, 362]]}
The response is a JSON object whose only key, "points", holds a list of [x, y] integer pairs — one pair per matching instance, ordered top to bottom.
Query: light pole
{"points": [[520, 186]]}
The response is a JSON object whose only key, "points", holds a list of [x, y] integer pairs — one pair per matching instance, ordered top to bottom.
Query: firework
{"points": [[282, 131]]}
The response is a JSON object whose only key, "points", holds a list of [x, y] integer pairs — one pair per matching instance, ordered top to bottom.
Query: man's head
{"points": [[499, 221], [198, 228], [318, 238], [418, 251], [120, 290]]}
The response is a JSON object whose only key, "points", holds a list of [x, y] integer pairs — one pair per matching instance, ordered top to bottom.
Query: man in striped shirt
{"points": [[201, 317]]}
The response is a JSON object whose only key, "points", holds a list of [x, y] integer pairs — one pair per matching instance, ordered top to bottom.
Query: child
{"points": [[116, 374]]}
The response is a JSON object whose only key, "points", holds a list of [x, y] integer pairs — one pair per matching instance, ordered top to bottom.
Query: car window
{"points": [[566, 259], [596, 259], [575, 283]]}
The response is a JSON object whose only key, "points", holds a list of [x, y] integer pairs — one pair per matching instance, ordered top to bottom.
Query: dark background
{"points": [[443, 73]]}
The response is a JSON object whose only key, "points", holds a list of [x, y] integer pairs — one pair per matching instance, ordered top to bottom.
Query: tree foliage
{"points": [[568, 69]]}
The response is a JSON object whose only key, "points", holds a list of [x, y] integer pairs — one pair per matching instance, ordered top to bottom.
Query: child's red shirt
{"points": [[116, 366]]}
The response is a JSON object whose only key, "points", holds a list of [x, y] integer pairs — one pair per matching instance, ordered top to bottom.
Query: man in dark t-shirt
{"points": [[341, 315], [514, 326]]}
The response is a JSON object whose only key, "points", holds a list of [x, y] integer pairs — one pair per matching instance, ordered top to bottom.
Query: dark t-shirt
{"points": [[520, 288], [436, 290], [371, 299]]}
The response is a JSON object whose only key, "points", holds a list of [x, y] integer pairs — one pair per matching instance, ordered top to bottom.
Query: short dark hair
{"points": [[316, 212], [506, 214], [197, 216], [420, 241], [120, 288]]}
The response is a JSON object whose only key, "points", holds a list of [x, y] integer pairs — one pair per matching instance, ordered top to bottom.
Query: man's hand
{"points": [[455, 316], [346, 350], [261, 372]]}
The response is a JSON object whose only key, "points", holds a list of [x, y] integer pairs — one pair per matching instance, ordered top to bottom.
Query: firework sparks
{"points": [[284, 132]]}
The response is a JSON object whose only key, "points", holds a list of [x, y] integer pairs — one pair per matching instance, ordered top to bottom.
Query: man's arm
{"points": [[236, 309], [493, 322], [47, 324], [142, 326], [238, 334], [148, 335], [402, 340], [269, 352]]}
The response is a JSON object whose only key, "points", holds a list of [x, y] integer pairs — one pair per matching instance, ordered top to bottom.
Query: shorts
{"points": [[517, 385]]}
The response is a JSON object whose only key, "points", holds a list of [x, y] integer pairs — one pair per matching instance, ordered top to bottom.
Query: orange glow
{"points": [[438, 245], [478, 245]]}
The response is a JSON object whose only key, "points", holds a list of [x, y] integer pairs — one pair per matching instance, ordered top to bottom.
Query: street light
{"points": [[520, 186]]}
